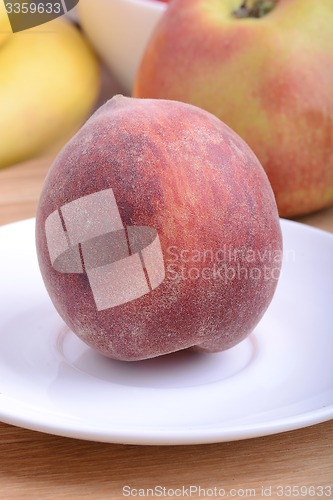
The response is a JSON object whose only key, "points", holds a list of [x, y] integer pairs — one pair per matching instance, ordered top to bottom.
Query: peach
{"points": [[157, 230]]}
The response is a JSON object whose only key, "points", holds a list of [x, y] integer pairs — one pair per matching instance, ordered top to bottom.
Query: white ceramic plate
{"points": [[280, 378]]}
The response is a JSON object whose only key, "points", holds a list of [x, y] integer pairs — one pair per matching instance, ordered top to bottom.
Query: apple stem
{"points": [[257, 9]]}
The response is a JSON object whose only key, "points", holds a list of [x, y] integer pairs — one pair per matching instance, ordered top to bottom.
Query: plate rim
{"points": [[161, 435]]}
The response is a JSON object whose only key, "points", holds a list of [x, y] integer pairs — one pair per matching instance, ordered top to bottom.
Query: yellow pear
{"points": [[5, 28], [49, 81]]}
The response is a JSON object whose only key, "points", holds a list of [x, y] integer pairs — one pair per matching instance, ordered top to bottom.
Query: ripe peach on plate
{"points": [[157, 230]]}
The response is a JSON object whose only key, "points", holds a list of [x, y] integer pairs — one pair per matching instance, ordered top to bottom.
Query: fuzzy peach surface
{"points": [[181, 171]]}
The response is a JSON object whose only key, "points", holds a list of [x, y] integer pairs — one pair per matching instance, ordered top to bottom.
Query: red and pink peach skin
{"points": [[183, 173]]}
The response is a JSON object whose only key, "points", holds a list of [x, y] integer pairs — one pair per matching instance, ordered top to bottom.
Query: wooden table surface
{"points": [[41, 466]]}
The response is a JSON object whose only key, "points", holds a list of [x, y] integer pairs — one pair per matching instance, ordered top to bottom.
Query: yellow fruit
{"points": [[5, 28], [49, 81]]}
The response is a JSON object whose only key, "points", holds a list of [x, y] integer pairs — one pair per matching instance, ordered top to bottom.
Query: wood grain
{"points": [[20, 188], [35, 465], [40, 466]]}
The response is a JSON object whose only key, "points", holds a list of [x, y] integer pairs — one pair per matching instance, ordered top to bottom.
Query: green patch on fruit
{"points": [[255, 9]]}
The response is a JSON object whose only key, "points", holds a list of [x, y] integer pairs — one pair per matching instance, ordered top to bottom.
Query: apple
{"points": [[264, 67], [157, 230]]}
